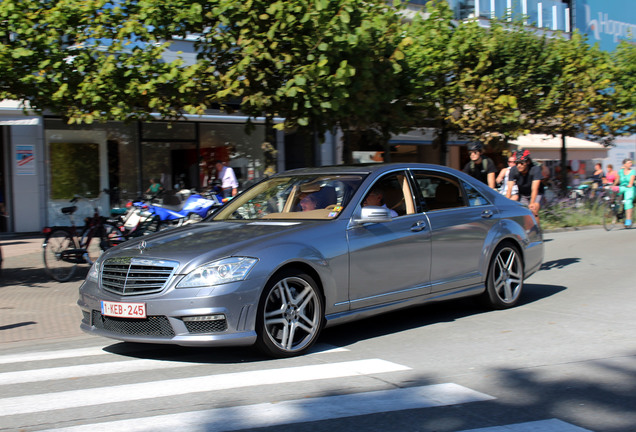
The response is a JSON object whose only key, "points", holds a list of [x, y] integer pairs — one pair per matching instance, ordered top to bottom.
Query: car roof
{"points": [[362, 168]]}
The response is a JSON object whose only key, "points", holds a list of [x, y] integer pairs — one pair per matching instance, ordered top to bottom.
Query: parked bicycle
{"points": [[65, 247]]}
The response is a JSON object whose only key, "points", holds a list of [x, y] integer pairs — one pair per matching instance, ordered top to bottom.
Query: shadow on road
{"points": [[560, 263], [35, 277], [341, 336], [578, 399]]}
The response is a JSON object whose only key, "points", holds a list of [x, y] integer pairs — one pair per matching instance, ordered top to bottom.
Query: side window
{"points": [[393, 192], [438, 192], [475, 198]]}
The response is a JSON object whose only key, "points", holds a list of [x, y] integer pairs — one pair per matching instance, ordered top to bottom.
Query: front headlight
{"points": [[93, 272], [218, 272]]}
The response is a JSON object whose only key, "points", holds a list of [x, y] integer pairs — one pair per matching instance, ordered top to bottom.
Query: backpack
{"points": [[484, 164]]}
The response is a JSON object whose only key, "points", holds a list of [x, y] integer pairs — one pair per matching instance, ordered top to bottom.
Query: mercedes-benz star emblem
{"points": [[142, 245]]}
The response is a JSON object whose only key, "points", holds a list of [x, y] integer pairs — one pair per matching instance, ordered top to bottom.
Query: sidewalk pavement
{"points": [[32, 305]]}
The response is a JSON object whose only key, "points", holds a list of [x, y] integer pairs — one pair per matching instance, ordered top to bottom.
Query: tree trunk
{"points": [[386, 136], [443, 145], [564, 165]]}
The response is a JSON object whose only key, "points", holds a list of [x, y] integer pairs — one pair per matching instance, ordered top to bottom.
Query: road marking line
{"points": [[93, 369], [157, 389], [296, 411], [552, 425]]}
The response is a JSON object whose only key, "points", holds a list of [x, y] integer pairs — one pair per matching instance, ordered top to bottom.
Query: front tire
{"points": [[505, 277], [290, 315]]}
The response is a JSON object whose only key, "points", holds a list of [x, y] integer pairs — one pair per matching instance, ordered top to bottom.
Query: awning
{"points": [[19, 121], [547, 147]]}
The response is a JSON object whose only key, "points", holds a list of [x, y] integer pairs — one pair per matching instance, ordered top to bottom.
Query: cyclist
{"points": [[479, 167], [528, 179], [625, 181]]}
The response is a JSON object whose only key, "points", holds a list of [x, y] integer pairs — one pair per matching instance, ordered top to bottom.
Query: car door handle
{"points": [[486, 214], [419, 226]]}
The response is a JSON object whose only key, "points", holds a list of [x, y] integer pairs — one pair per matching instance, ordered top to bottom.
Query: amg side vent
{"points": [[136, 276]]}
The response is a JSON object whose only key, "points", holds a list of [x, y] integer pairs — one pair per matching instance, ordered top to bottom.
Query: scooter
{"points": [[195, 207]]}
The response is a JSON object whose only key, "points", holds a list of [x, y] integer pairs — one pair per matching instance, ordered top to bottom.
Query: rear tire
{"points": [[55, 243], [290, 315]]}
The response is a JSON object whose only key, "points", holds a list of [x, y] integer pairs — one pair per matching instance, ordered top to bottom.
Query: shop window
{"points": [[248, 155], [174, 164], [74, 170]]}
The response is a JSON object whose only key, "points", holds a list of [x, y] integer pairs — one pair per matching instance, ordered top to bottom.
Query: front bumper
{"points": [[234, 306]]}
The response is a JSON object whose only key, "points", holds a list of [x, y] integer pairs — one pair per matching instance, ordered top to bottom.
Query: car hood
{"points": [[205, 241]]}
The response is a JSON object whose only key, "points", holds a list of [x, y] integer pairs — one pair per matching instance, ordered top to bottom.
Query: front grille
{"points": [[135, 276], [150, 326], [215, 326]]}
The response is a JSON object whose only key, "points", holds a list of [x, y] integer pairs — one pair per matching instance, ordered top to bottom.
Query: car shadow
{"points": [[428, 314], [337, 336], [201, 355]]}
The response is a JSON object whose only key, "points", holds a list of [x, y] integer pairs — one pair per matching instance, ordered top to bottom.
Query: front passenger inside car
{"points": [[446, 196]]}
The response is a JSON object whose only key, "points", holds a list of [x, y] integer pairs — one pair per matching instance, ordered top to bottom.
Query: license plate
{"points": [[124, 310]]}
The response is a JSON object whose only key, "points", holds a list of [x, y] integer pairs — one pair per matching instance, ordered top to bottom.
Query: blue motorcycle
{"points": [[172, 212]]}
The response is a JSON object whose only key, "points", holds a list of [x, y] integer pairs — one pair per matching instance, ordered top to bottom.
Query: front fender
{"points": [[329, 262]]}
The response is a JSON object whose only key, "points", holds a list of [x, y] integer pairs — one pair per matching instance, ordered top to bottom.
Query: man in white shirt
{"points": [[229, 184], [376, 198]]}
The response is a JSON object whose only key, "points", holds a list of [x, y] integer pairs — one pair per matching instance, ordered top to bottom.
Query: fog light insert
{"points": [[199, 318], [203, 324]]}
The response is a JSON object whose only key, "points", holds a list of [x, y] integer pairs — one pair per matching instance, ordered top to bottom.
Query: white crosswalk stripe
{"points": [[51, 355], [23, 377], [156, 389], [43, 393], [296, 411], [551, 425]]}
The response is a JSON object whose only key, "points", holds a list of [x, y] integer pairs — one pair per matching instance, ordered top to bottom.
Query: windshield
{"points": [[293, 197]]}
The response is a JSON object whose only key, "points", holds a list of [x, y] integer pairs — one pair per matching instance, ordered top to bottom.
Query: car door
{"points": [[460, 219], [390, 261]]}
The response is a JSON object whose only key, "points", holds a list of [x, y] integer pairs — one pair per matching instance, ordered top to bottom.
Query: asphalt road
{"points": [[564, 360]]}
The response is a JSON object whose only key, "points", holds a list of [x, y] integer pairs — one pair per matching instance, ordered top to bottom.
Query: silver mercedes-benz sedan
{"points": [[310, 248]]}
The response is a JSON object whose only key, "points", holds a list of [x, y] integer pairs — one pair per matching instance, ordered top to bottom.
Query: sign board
{"points": [[606, 22], [24, 160]]}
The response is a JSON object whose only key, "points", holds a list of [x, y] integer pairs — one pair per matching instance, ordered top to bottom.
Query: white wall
{"points": [[624, 147]]}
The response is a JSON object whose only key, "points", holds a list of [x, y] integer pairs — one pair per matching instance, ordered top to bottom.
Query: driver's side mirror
{"points": [[373, 214]]}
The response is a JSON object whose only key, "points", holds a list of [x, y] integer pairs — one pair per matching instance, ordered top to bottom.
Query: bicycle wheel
{"points": [[610, 218], [59, 268]]}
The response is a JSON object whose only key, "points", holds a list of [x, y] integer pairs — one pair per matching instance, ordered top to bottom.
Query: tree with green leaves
{"points": [[89, 60], [319, 64], [430, 69], [624, 71], [471, 80], [581, 99]]}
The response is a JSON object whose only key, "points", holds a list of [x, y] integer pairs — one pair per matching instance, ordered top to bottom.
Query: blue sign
{"points": [[606, 22]]}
